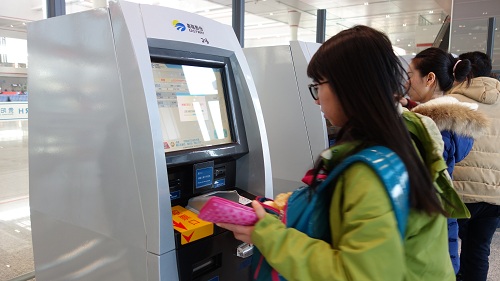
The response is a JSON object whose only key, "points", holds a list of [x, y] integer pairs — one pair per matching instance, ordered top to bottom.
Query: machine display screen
{"points": [[192, 106]]}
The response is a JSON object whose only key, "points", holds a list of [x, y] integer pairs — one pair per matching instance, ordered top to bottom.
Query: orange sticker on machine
{"points": [[189, 225]]}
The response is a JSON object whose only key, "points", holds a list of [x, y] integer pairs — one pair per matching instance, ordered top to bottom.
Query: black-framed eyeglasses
{"points": [[313, 89]]}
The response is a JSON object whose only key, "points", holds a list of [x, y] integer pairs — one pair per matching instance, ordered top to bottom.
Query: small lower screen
{"points": [[192, 106]]}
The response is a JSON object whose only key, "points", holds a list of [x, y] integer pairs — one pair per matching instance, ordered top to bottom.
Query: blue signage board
{"points": [[13, 110], [204, 177]]}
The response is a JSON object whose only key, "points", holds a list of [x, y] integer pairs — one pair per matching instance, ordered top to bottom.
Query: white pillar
{"points": [[44, 8], [293, 22]]}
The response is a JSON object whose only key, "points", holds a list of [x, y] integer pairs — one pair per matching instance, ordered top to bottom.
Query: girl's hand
{"points": [[403, 101], [241, 232]]}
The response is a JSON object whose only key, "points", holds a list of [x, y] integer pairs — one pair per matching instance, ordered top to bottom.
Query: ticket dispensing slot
{"points": [[206, 251], [206, 266]]}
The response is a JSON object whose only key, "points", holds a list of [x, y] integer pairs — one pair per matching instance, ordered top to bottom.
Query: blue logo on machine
{"points": [[179, 26], [193, 28]]}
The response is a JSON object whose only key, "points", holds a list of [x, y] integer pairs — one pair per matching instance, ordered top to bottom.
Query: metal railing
{"points": [[443, 37]]}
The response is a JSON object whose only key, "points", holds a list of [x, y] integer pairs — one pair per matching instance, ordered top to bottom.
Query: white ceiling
{"points": [[266, 21]]}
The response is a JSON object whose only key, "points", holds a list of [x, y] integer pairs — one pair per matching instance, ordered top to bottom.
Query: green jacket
{"points": [[430, 139], [366, 242]]}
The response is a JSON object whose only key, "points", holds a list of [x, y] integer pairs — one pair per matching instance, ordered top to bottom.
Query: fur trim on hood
{"points": [[450, 114]]}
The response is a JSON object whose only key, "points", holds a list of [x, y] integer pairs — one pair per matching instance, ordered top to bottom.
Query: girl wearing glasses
{"points": [[358, 83]]}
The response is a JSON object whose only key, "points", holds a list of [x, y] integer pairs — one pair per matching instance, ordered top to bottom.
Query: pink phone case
{"points": [[220, 210]]}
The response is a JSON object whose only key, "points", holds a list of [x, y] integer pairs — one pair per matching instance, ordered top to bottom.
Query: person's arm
{"points": [[408, 103], [411, 104], [464, 146], [456, 148], [448, 151], [367, 244]]}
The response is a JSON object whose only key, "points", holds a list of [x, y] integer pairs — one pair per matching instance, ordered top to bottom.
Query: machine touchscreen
{"points": [[192, 106]]}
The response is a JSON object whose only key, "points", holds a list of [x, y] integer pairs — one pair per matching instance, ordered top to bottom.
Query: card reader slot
{"points": [[207, 265]]}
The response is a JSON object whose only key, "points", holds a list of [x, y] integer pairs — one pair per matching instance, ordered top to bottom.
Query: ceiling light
{"points": [[366, 3], [431, 12], [485, 13], [271, 14], [387, 16], [24, 23], [404, 24], [11, 25], [398, 40], [409, 45]]}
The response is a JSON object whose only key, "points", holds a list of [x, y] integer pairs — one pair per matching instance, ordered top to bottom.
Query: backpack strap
{"points": [[391, 171]]}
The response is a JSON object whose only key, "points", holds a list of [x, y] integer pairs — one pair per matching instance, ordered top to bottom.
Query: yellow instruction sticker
{"points": [[189, 225]]}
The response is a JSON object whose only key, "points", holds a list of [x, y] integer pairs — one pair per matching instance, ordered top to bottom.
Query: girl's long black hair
{"points": [[367, 77]]}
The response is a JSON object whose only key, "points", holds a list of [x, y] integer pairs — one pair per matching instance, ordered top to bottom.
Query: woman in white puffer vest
{"points": [[477, 177]]}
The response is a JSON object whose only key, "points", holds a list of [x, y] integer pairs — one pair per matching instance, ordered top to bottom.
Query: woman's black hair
{"points": [[481, 63], [446, 68], [367, 78]]}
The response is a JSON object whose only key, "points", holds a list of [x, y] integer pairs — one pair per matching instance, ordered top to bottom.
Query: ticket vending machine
{"points": [[135, 110], [296, 128]]}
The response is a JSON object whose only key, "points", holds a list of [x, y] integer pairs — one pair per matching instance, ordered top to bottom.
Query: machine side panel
{"points": [[302, 53], [274, 75], [144, 123], [255, 167], [253, 170], [83, 181], [74, 253], [163, 263]]}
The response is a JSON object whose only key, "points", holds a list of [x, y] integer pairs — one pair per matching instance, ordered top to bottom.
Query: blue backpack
{"points": [[308, 212]]}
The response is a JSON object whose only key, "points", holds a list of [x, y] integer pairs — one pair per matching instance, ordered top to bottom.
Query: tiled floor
{"points": [[16, 256]]}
